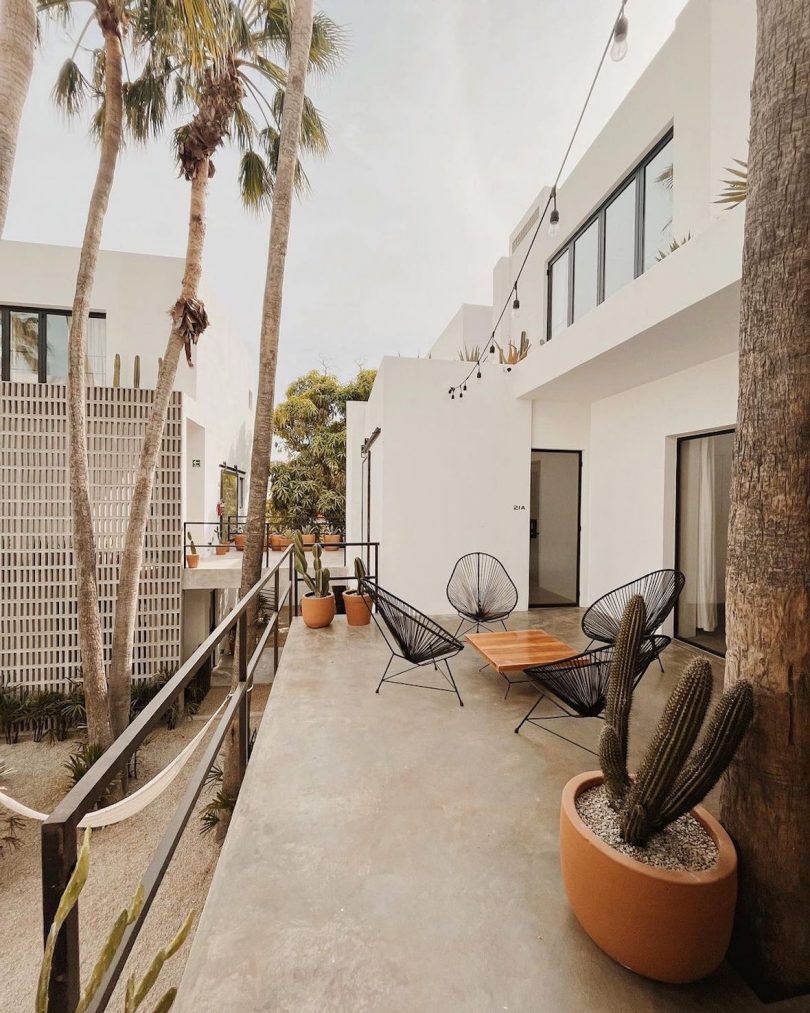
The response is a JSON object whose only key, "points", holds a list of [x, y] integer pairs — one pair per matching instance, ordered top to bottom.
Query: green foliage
{"points": [[674, 245], [310, 426], [191, 545], [359, 571], [319, 583], [48, 713], [81, 760], [671, 779], [213, 812], [10, 826], [135, 992]]}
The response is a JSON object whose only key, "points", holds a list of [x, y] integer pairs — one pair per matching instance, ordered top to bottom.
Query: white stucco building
{"points": [[605, 454], [205, 455]]}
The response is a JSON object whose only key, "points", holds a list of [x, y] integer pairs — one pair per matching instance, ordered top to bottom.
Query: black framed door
{"points": [[555, 527]]}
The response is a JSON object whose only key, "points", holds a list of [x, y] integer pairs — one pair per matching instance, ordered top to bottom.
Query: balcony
{"points": [[398, 852]]}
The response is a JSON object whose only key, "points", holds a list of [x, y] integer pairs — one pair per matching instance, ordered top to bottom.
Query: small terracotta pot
{"points": [[309, 540], [239, 542], [331, 542], [275, 543], [281, 543], [222, 550], [193, 560], [358, 608], [317, 612], [669, 926]]}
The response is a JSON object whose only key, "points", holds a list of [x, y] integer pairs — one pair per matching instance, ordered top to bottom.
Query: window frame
{"points": [[636, 175], [6, 309]]}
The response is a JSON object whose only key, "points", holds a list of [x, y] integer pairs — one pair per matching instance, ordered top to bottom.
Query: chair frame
{"points": [[478, 619], [657, 644], [399, 650]]}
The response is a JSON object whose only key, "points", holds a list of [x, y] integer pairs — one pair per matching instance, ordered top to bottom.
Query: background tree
{"points": [[18, 32], [233, 85], [310, 426], [766, 800]]}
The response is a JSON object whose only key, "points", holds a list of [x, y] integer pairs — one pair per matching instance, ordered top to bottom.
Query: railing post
{"points": [[376, 565], [290, 603], [277, 610], [244, 704], [59, 854]]}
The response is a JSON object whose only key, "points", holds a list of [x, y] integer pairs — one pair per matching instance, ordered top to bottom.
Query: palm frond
{"points": [[328, 43], [71, 89], [146, 104], [244, 130], [313, 131], [255, 181], [735, 190]]}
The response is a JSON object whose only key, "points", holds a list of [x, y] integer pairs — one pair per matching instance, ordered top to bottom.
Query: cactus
{"points": [[116, 370], [136, 372], [192, 546], [359, 572], [319, 583], [671, 779], [135, 994]]}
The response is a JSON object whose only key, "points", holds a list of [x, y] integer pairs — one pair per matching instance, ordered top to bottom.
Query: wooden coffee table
{"points": [[516, 650]]}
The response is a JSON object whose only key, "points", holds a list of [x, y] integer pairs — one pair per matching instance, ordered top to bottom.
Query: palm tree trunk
{"points": [[18, 31], [283, 191], [126, 606], [91, 641], [766, 798]]}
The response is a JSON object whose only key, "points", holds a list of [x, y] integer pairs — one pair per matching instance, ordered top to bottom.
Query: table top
{"points": [[514, 650]]}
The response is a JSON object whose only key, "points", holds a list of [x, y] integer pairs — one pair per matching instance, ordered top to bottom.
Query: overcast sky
{"points": [[445, 119]]}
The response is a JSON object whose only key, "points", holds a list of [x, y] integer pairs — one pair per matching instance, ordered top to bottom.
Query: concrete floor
{"points": [[399, 853]]}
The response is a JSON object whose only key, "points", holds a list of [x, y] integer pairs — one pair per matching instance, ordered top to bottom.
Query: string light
{"points": [[617, 46], [618, 50]]}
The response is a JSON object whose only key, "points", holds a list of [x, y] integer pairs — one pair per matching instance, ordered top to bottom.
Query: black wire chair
{"points": [[659, 589], [481, 591], [412, 636], [578, 686]]}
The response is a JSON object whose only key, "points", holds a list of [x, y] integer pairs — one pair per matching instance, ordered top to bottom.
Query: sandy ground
{"points": [[119, 857]]}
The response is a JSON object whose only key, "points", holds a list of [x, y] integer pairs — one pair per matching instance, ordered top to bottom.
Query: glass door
{"points": [[702, 511], [554, 527]]}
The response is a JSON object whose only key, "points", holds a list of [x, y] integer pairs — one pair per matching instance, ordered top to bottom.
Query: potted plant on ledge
{"points": [[192, 556], [318, 604], [358, 605], [650, 875]]}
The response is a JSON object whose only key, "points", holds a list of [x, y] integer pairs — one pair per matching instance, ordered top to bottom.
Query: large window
{"points": [[629, 232], [34, 342]]}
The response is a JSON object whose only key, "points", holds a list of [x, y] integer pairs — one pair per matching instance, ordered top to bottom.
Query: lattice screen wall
{"points": [[39, 645]]}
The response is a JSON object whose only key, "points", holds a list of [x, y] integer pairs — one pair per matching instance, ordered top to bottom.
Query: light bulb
{"points": [[618, 50], [554, 223], [516, 302], [492, 349]]}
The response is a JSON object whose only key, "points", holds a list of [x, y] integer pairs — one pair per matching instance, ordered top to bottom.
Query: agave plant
{"points": [[736, 187], [514, 353], [470, 354]]}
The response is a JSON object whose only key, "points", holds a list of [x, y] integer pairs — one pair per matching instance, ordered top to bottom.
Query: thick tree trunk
{"points": [[18, 32], [283, 192], [126, 605], [91, 641], [766, 798]]}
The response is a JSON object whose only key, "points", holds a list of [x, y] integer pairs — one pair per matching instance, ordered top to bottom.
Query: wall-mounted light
{"points": [[618, 50], [516, 301]]}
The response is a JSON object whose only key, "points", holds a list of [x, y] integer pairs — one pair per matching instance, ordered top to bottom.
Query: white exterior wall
{"points": [[470, 327]]}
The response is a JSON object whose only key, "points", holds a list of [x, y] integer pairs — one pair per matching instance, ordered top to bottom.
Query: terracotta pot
{"points": [[309, 540], [239, 542], [331, 542], [275, 543], [281, 543], [222, 550], [193, 560], [358, 608], [317, 612], [669, 926]]}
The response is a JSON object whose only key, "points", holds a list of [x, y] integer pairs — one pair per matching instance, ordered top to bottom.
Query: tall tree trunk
{"points": [[18, 32], [283, 192], [126, 605], [91, 641], [766, 798]]}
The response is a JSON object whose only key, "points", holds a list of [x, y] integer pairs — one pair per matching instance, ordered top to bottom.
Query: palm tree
{"points": [[114, 19], [18, 32], [224, 96], [766, 798]]}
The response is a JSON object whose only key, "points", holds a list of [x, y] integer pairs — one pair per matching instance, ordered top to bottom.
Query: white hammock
{"points": [[134, 803]]}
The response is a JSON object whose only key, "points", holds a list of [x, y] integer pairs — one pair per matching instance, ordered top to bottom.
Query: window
{"points": [[623, 238], [34, 343]]}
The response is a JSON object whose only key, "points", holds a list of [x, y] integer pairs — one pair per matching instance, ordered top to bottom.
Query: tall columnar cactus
{"points": [[116, 370], [136, 372], [359, 571], [319, 583], [671, 779]]}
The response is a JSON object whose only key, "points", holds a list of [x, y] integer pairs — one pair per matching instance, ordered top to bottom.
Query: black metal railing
{"points": [[217, 536], [59, 844]]}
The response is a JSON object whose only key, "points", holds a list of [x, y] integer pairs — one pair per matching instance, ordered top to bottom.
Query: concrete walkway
{"points": [[399, 853]]}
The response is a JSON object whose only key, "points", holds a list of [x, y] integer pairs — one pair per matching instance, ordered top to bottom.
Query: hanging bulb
{"points": [[618, 50], [554, 223], [516, 302], [492, 348], [508, 369], [478, 374], [464, 387], [460, 394], [452, 396]]}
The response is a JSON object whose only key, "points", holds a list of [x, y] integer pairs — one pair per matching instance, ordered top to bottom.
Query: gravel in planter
{"points": [[683, 846]]}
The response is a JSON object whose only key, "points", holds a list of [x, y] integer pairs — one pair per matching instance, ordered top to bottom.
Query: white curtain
{"points": [[95, 358], [707, 549]]}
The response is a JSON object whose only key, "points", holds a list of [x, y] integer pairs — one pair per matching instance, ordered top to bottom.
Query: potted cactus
{"points": [[192, 556], [318, 604], [358, 605], [650, 875]]}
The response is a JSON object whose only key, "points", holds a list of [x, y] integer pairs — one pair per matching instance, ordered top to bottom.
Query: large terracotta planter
{"points": [[309, 540], [239, 542], [279, 543], [331, 543], [222, 549], [192, 560], [358, 608], [317, 612], [669, 926]]}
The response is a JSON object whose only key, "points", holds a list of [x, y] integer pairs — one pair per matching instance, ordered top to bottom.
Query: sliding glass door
{"points": [[704, 485]]}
